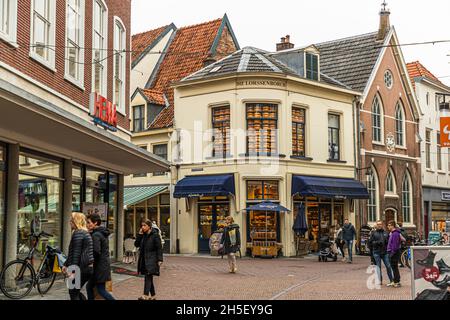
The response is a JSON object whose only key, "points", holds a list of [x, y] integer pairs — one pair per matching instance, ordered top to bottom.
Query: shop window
{"points": [[43, 22], [75, 40], [99, 54], [119, 65], [312, 66], [377, 120], [221, 122], [399, 125], [262, 126], [299, 132], [334, 136], [428, 149], [161, 151], [439, 152], [77, 182], [96, 186], [262, 190], [164, 199], [406, 199], [2, 200], [112, 211]]}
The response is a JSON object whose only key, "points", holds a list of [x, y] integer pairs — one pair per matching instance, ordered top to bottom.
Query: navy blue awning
{"points": [[205, 186], [331, 188], [268, 206]]}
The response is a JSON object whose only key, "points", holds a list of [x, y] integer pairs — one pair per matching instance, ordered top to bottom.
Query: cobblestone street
{"points": [[206, 278]]}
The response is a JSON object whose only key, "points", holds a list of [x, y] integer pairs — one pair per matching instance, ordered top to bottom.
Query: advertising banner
{"points": [[445, 132], [100, 208], [430, 267]]}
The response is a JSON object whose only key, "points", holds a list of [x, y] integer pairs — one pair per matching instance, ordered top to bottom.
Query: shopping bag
{"points": [[56, 266]]}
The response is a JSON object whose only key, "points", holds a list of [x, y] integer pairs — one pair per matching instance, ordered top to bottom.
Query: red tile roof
{"points": [[142, 40], [185, 55], [416, 70], [154, 96]]}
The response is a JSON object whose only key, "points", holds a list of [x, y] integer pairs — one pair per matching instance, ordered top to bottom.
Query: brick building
{"points": [[64, 130]]}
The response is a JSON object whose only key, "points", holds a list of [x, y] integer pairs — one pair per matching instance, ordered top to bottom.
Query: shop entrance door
{"points": [[390, 215], [211, 218], [324, 220]]}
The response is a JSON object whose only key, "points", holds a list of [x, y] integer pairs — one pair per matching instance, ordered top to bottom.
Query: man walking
{"points": [[349, 236], [378, 243], [393, 249]]}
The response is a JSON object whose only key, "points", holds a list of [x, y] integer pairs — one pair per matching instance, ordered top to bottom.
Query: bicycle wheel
{"points": [[404, 258], [45, 278], [17, 279]]}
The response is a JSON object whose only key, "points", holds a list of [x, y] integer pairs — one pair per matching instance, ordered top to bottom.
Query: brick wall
{"points": [[225, 46], [20, 60]]}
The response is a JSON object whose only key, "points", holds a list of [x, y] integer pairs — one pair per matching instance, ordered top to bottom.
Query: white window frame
{"points": [[11, 35], [103, 53], [50, 62], [80, 81], [399, 106], [121, 107], [381, 115], [428, 145], [439, 163], [407, 178], [394, 184], [376, 205]]}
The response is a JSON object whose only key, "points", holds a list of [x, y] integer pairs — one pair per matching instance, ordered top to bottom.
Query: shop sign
{"points": [[262, 83], [103, 111], [445, 130], [445, 196], [427, 269]]}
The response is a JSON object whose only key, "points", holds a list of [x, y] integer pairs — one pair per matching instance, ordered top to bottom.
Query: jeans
{"points": [[341, 245], [350, 249], [385, 258], [395, 258], [232, 262], [149, 287], [101, 290], [75, 294]]}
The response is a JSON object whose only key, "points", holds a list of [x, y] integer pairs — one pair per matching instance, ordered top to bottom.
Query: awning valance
{"points": [[205, 186], [331, 188], [135, 195]]}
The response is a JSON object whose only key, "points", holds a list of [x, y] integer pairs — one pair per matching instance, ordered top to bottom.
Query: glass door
{"points": [[211, 219], [324, 220]]}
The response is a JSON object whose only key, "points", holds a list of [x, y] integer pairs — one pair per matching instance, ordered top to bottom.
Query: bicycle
{"points": [[406, 254], [19, 277]]}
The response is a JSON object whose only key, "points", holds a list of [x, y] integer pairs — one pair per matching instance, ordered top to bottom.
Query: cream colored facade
{"points": [[194, 100]]}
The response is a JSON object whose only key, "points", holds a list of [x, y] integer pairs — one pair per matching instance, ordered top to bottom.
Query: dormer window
{"points": [[312, 66]]}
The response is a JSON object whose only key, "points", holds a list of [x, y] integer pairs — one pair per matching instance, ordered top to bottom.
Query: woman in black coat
{"points": [[150, 257], [80, 258], [102, 263]]}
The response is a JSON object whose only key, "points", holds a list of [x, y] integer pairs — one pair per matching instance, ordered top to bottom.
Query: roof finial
{"points": [[384, 5]]}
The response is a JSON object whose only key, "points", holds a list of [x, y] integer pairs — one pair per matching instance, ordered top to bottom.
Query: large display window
{"points": [[2, 200], [40, 200], [211, 215]]}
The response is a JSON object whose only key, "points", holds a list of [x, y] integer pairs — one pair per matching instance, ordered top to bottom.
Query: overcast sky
{"points": [[261, 23]]}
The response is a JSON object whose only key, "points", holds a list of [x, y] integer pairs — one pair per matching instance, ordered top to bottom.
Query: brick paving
{"points": [[206, 278]]}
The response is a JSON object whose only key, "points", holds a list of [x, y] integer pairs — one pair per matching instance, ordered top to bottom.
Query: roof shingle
{"points": [[141, 41], [417, 70], [154, 96]]}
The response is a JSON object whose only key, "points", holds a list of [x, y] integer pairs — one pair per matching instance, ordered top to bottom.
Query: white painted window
{"points": [[8, 20], [43, 20], [75, 41], [100, 46], [119, 64], [377, 120], [399, 125], [428, 148], [439, 151], [390, 182], [407, 199], [372, 203]]}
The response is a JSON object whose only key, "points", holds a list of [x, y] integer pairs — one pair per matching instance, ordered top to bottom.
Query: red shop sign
{"points": [[103, 111], [445, 132]]}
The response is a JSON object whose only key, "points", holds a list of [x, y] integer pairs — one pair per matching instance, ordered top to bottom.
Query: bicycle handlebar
{"points": [[42, 234]]}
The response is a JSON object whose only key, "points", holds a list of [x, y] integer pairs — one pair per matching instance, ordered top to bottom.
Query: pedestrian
{"points": [[155, 227], [349, 236], [231, 241], [339, 241], [378, 243], [394, 251], [80, 255], [150, 257], [102, 263]]}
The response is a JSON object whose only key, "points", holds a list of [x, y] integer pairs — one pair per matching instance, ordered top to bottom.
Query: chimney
{"points": [[385, 24], [285, 44]]}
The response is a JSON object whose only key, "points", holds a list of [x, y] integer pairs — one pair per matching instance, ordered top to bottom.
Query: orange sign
{"points": [[445, 132]]}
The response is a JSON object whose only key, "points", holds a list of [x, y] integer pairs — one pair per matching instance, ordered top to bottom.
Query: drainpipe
{"points": [[357, 156]]}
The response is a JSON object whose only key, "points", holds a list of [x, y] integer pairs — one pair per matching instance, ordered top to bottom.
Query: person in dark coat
{"points": [[349, 236], [231, 241], [378, 243], [80, 256], [150, 257], [102, 263]]}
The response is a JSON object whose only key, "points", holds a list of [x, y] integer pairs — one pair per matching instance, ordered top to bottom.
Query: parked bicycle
{"points": [[406, 253], [19, 277]]}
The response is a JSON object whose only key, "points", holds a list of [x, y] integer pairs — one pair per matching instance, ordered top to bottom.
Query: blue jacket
{"points": [[348, 232]]}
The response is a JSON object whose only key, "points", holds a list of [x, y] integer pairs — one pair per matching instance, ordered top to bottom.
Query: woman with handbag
{"points": [[231, 241], [80, 255], [150, 257], [102, 263]]}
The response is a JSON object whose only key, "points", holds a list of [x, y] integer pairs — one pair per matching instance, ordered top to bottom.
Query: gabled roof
{"points": [[145, 41], [186, 54], [251, 60], [350, 60], [417, 70], [154, 96]]}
